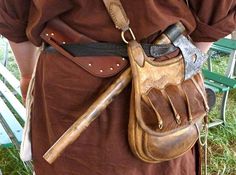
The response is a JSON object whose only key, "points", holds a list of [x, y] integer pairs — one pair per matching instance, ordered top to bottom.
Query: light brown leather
{"points": [[117, 13], [57, 33], [165, 109]]}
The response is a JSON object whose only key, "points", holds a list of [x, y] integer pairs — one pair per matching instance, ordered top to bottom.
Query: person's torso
{"points": [[90, 18]]}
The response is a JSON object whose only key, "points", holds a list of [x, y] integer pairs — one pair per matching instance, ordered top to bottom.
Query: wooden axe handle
{"points": [[102, 102], [90, 115]]}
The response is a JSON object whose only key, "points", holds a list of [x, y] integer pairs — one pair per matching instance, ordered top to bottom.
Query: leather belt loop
{"points": [[46, 37]]}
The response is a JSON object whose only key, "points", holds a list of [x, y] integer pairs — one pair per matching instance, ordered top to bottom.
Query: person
{"points": [[63, 90]]}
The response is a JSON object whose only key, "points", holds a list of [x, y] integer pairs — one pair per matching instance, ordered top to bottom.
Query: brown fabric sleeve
{"points": [[13, 19], [215, 19], [22, 20]]}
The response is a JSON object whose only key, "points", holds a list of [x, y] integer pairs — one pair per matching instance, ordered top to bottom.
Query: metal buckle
{"points": [[123, 35]]}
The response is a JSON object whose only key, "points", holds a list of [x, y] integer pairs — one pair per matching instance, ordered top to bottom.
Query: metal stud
{"points": [[46, 34], [52, 34], [63, 42], [123, 59], [90, 64], [117, 65], [111, 68], [101, 70]]}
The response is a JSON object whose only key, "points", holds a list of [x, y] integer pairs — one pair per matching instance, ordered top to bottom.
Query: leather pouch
{"points": [[166, 111]]}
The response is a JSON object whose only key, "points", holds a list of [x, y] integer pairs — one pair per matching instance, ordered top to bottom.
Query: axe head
{"points": [[193, 57]]}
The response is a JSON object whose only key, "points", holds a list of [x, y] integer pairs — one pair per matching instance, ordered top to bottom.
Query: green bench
{"points": [[217, 82], [222, 83], [10, 108], [12, 111]]}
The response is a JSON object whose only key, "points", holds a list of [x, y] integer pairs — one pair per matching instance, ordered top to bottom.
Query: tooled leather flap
{"points": [[57, 33]]}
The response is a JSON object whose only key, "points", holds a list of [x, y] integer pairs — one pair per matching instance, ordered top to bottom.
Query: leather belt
{"points": [[112, 49]]}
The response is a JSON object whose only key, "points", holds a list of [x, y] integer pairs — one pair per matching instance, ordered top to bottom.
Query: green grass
{"points": [[222, 139], [10, 163]]}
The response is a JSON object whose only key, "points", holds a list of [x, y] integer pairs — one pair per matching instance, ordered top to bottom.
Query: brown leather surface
{"points": [[117, 13], [57, 33], [165, 109], [160, 129]]}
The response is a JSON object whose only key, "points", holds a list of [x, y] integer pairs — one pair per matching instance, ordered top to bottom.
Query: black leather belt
{"points": [[112, 49]]}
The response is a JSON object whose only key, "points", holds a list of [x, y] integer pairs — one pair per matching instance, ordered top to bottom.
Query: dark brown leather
{"points": [[57, 33], [166, 110]]}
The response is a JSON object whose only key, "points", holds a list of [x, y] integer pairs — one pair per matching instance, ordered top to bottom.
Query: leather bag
{"points": [[167, 110]]}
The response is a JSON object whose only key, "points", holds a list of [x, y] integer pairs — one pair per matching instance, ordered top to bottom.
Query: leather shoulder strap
{"points": [[117, 14], [119, 17]]}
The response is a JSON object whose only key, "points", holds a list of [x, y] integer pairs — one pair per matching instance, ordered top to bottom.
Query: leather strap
{"points": [[117, 14], [119, 17], [113, 49]]}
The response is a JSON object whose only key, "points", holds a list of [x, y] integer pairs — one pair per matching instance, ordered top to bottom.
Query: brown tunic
{"points": [[63, 90]]}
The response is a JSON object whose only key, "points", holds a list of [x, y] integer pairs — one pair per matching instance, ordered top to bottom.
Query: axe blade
{"points": [[193, 57]]}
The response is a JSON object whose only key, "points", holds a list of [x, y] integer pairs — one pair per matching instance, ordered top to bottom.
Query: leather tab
{"points": [[117, 13], [137, 53]]}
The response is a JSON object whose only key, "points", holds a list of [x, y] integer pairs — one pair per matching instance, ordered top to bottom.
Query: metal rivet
{"points": [[46, 34], [52, 34], [63, 42], [123, 59], [90, 64], [117, 65], [111, 68], [101, 70]]}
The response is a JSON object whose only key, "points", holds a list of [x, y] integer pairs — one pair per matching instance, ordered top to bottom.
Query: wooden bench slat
{"points": [[10, 78], [219, 78], [19, 108], [11, 121], [5, 141]]}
